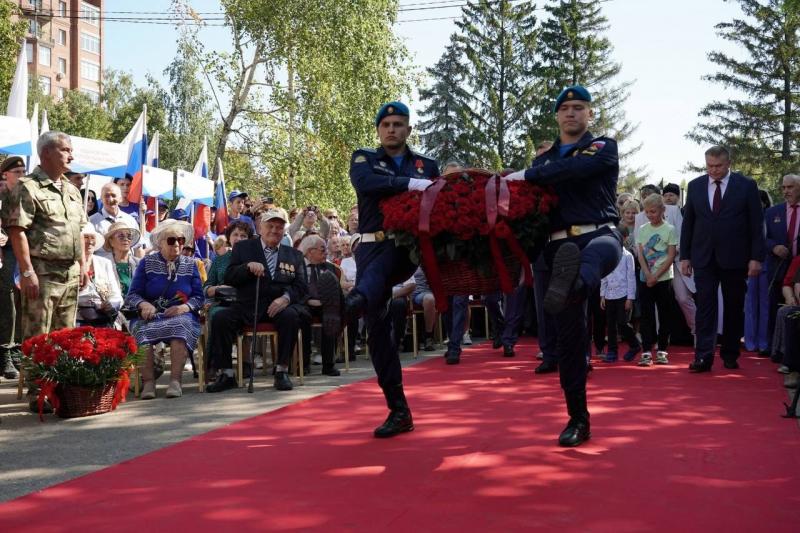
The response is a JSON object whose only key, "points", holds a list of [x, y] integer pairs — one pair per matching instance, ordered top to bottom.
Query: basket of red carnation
{"points": [[470, 230], [81, 371]]}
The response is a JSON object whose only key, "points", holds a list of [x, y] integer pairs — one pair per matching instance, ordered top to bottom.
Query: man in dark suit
{"points": [[782, 220], [722, 242], [314, 250], [281, 298]]}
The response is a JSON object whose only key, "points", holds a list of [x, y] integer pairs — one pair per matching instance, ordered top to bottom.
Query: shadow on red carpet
{"points": [[670, 452]]}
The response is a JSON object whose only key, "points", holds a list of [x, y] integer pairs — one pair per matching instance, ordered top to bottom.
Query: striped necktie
{"points": [[272, 259]]}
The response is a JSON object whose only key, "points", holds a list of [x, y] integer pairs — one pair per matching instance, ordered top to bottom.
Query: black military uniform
{"points": [[584, 247], [380, 264]]}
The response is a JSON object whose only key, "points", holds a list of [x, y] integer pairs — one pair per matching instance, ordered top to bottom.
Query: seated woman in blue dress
{"points": [[167, 291]]}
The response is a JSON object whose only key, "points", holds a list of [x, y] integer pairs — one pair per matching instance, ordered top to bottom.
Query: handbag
{"points": [[225, 296]]}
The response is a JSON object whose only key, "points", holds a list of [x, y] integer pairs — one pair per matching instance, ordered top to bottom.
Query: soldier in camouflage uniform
{"points": [[11, 170], [44, 216]]}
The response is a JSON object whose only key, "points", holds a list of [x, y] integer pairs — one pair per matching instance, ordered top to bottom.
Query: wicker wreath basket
{"points": [[460, 278], [75, 402]]}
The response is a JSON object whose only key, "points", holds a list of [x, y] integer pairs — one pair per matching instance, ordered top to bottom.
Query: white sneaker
{"points": [[466, 340], [661, 358], [646, 359], [316, 360], [148, 390], [174, 390]]}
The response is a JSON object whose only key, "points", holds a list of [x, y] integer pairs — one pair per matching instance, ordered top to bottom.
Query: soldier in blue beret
{"points": [[377, 173], [584, 244]]}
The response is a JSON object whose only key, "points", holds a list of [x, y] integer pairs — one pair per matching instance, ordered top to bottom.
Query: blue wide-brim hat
{"points": [[574, 92], [391, 108]]}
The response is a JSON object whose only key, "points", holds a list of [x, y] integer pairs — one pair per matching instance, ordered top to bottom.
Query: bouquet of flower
{"points": [[473, 218], [81, 357]]}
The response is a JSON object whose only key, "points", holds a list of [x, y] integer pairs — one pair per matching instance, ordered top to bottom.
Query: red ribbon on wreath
{"points": [[498, 200], [121, 389], [47, 390]]}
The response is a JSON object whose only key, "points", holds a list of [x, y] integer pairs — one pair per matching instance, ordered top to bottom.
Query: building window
{"points": [[62, 9], [90, 14], [33, 26], [62, 37], [90, 43], [29, 51], [44, 55], [62, 65], [90, 71], [44, 83], [61, 93], [94, 96]]}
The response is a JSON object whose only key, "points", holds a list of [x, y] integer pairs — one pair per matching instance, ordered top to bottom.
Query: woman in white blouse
{"points": [[100, 300]]}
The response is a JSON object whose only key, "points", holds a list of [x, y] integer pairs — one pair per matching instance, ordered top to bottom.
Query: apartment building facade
{"points": [[65, 45]]}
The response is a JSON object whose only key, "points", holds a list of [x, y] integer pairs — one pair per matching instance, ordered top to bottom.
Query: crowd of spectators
{"points": [[167, 284]]}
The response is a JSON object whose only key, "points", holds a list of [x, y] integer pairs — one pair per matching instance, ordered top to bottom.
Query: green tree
{"points": [[11, 35], [498, 42], [573, 50], [317, 91], [124, 101], [447, 109], [759, 123]]}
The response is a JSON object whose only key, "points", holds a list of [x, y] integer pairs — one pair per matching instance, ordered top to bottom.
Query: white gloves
{"points": [[516, 176], [415, 184]]}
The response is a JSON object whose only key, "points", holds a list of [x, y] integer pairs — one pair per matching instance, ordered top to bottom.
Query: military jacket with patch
{"points": [[375, 176], [585, 180], [52, 219]]}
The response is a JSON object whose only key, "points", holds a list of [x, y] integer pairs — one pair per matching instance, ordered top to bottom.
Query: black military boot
{"points": [[7, 366], [399, 419], [577, 431]]}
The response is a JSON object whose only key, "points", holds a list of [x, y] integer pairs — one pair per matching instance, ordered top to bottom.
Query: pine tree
{"points": [[496, 40], [573, 50], [760, 124], [444, 128]]}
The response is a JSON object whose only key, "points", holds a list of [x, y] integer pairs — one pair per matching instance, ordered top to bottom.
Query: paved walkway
{"points": [[35, 455]]}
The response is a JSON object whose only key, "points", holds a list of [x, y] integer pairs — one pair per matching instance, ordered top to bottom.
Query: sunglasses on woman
{"points": [[125, 236], [173, 240]]}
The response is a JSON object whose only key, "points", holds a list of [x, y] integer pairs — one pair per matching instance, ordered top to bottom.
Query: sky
{"points": [[662, 47]]}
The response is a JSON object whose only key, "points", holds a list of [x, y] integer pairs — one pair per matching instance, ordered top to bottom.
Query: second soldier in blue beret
{"points": [[377, 173]]}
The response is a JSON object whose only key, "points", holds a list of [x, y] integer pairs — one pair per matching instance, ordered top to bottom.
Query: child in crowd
{"points": [[657, 241], [617, 294]]}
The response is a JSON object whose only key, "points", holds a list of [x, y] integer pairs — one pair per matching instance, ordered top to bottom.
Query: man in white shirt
{"points": [[110, 195]]}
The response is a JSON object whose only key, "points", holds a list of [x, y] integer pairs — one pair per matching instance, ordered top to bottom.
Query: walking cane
{"points": [[253, 341]]}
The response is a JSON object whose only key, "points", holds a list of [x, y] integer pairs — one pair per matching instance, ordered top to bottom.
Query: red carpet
{"points": [[670, 452]]}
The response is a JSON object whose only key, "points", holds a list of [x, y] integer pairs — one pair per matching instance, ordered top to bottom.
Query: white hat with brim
{"points": [[116, 227], [184, 228], [89, 231]]}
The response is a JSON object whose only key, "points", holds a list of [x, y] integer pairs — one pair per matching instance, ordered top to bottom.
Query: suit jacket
{"points": [[775, 220], [730, 238], [290, 277]]}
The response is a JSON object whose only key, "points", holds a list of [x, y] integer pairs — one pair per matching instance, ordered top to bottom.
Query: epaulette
{"points": [[423, 156]]}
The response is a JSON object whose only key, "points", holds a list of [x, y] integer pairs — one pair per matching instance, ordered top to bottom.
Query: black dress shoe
{"points": [[566, 266], [497, 342], [508, 351], [452, 358], [730, 365], [546, 367], [695, 367], [332, 371], [282, 381], [223, 383], [398, 421], [576, 433]]}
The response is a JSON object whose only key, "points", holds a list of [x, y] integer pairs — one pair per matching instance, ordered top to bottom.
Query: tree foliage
{"points": [[11, 35], [319, 88], [760, 121]]}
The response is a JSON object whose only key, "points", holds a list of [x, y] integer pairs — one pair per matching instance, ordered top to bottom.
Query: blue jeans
{"points": [[756, 313]]}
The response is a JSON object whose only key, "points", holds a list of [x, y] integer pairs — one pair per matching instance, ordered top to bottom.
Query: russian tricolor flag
{"points": [[136, 141], [152, 201], [220, 201], [202, 213]]}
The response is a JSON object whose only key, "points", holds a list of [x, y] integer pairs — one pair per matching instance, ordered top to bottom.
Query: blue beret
{"points": [[575, 92], [391, 108]]}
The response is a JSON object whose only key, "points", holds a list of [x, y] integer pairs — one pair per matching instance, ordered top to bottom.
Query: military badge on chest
{"points": [[420, 166], [286, 269]]}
